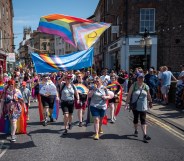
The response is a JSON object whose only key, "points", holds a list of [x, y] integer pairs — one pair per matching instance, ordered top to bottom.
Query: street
{"points": [[116, 144]]}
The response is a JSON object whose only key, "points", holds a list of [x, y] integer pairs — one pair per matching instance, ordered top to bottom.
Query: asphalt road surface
{"points": [[116, 144]]}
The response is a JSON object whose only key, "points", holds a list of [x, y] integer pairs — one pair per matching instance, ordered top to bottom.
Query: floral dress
{"points": [[12, 106]]}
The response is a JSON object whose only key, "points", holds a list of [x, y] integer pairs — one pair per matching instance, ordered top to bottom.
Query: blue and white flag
{"points": [[74, 61]]}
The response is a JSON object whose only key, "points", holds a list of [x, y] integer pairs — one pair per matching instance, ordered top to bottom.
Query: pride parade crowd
{"points": [[77, 91]]}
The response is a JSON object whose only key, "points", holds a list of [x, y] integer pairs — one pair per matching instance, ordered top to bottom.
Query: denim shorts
{"points": [[95, 112]]}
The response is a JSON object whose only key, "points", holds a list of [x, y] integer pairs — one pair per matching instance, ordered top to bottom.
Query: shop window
{"points": [[147, 20]]}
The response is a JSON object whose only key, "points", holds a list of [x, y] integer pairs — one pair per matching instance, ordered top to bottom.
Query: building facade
{"points": [[6, 31], [120, 45]]}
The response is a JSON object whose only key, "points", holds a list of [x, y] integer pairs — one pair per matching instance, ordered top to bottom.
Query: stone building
{"points": [[6, 31]]}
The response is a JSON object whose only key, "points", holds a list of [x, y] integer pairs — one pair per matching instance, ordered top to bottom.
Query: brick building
{"points": [[6, 31], [170, 31], [123, 50]]}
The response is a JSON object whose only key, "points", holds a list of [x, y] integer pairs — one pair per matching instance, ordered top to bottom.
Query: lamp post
{"points": [[145, 42]]}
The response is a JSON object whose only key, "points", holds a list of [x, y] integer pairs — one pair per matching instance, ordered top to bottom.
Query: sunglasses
{"points": [[78, 76], [96, 81]]}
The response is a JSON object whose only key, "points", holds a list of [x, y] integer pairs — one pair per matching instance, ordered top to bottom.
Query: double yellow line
{"points": [[166, 127]]}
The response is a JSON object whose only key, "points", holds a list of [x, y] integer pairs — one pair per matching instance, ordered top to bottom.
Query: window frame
{"points": [[143, 20]]}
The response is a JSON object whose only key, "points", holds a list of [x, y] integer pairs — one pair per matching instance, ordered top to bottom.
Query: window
{"points": [[107, 5], [3, 10], [0, 13], [7, 15], [147, 19], [118, 24], [107, 34], [1, 36]]}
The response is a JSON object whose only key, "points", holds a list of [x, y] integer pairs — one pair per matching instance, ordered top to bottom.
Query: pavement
{"points": [[168, 113]]}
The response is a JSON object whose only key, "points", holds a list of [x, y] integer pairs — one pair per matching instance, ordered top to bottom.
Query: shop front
{"points": [[113, 55], [134, 55], [3, 60]]}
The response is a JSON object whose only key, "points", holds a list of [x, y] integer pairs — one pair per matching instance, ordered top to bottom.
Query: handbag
{"points": [[133, 105]]}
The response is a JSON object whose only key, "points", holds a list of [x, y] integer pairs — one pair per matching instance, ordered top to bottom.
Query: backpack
{"points": [[63, 86]]}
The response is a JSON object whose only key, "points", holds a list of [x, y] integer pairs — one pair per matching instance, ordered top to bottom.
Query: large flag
{"points": [[81, 33], [74, 61]]}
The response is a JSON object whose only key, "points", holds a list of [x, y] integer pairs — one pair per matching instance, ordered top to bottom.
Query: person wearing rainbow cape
{"points": [[49, 94], [116, 102], [13, 109]]}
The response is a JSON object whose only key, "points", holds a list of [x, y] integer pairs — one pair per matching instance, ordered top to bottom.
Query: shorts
{"points": [[165, 89], [113, 100], [48, 101], [81, 105], [67, 106], [95, 112], [141, 115]]}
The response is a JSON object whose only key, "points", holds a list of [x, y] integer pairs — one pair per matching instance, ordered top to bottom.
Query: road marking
{"points": [[150, 123], [166, 127], [3, 148]]}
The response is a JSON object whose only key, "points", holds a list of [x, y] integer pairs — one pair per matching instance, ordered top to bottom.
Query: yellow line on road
{"points": [[166, 127]]}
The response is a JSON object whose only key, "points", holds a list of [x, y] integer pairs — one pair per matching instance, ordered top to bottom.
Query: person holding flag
{"points": [[48, 94], [13, 108]]}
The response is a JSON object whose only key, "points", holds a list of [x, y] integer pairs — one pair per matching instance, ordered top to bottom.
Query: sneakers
{"points": [[164, 103], [112, 121], [45, 123], [80, 124], [69, 126], [100, 131], [65, 132], [136, 133], [96, 137], [13, 138], [146, 138]]}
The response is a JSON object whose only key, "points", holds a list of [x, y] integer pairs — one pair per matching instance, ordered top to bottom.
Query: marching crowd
{"points": [[87, 88]]}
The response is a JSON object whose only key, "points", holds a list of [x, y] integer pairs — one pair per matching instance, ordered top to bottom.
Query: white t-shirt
{"points": [[105, 79], [180, 81]]}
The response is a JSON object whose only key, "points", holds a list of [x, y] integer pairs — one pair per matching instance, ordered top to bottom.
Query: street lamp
{"points": [[145, 42]]}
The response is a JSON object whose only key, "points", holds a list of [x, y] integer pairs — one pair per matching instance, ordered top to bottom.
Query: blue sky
{"points": [[28, 12]]}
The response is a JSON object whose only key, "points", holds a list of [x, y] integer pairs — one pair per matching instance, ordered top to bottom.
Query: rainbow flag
{"points": [[81, 33], [1, 87], [55, 112], [21, 124]]}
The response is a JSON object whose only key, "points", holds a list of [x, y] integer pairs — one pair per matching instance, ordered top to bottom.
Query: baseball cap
{"points": [[182, 65], [151, 69], [140, 75], [24, 83]]}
